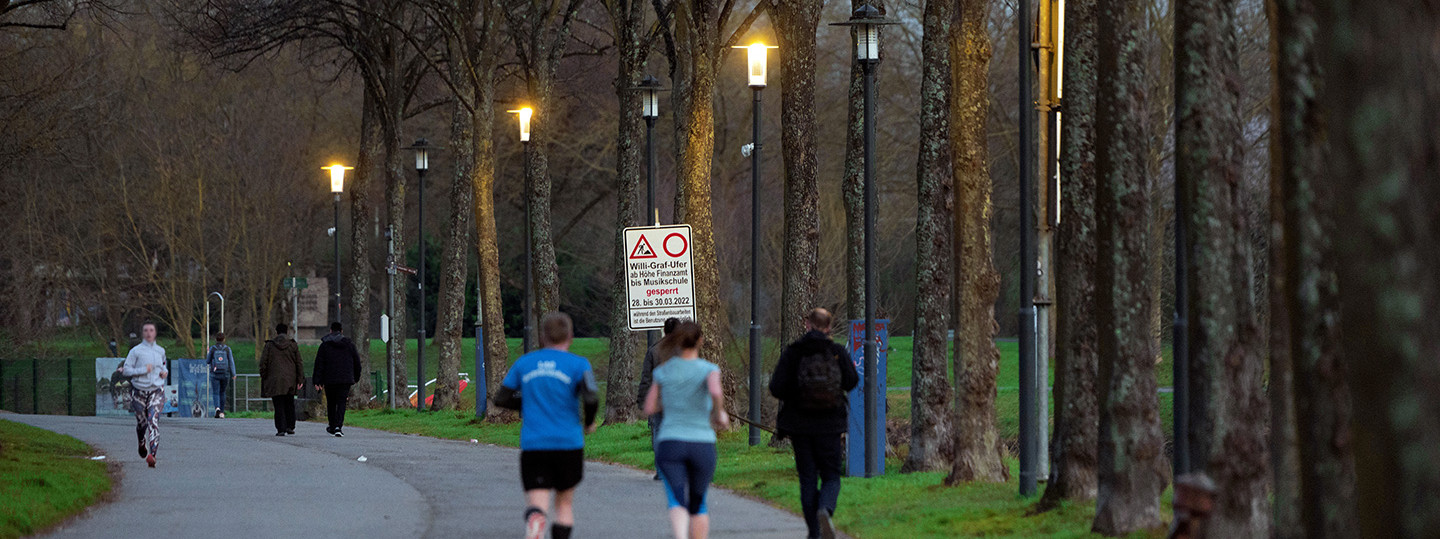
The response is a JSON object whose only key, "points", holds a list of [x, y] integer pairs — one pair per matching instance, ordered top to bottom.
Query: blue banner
{"points": [[192, 376], [855, 443]]}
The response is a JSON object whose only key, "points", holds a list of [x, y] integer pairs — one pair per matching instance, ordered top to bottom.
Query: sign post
{"points": [[660, 280], [855, 445]]}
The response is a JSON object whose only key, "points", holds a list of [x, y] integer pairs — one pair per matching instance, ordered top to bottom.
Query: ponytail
{"points": [[685, 336]]}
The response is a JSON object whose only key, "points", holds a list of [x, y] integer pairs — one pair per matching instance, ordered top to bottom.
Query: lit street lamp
{"points": [[866, 22], [755, 54], [650, 89], [523, 114], [422, 163], [337, 186]]}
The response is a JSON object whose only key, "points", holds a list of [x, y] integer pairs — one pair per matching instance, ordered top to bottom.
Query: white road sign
{"points": [[659, 275]]}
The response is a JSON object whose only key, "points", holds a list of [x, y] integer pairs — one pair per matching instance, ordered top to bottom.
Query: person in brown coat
{"points": [[282, 374]]}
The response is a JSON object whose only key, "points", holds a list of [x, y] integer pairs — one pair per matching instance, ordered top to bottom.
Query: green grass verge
{"points": [[44, 478], [894, 505]]}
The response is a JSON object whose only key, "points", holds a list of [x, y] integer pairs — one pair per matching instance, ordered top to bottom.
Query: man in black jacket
{"points": [[337, 367], [814, 414]]}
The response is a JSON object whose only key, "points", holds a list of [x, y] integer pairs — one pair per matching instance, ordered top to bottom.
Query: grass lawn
{"points": [[44, 478], [895, 505]]}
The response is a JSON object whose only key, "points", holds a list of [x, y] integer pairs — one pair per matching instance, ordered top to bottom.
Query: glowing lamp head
{"points": [[866, 21], [756, 55], [523, 114], [337, 177]]}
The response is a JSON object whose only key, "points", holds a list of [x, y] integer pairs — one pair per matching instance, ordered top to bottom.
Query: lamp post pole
{"points": [[337, 258], [529, 260], [755, 273], [420, 343], [1029, 417]]}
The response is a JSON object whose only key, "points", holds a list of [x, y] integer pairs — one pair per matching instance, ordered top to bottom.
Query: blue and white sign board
{"points": [[659, 278], [191, 377], [855, 441]]}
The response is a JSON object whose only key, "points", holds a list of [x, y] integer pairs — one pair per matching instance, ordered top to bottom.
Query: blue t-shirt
{"points": [[549, 382], [685, 398]]}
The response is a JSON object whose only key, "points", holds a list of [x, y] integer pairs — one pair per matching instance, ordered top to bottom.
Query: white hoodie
{"points": [[145, 353]]}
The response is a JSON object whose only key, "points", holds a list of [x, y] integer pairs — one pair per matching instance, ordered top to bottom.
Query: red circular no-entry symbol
{"points": [[684, 244]]}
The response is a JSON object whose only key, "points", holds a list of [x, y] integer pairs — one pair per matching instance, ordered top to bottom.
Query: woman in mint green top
{"points": [[687, 389]]}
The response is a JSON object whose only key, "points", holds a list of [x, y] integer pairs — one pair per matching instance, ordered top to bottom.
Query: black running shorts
{"points": [[557, 470]]}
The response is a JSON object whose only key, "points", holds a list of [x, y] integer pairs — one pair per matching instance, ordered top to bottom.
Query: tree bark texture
{"points": [[628, 17], [795, 26], [698, 45], [391, 99], [1382, 101], [852, 187], [486, 236], [454, 257], [361, 268], [1227, 399], [931, 436], [1317, 442], [978, 449], [1131, 452], [1073, 459], [1316, 499]]}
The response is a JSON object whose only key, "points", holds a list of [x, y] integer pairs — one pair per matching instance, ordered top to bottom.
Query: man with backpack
{"points": [[222, 371], [812, 381]]}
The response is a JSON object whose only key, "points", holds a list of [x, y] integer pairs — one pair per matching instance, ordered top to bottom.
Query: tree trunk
{"points": [[628, 18], [795, 25], [698, 44], [1382, 98], [361, 186], [853, 186], [395, 190], [454, 257], [497, 351], [1313, 397], [1227, 400], [1077, 411], [932, 437], [978, 448], [1131, 450]]}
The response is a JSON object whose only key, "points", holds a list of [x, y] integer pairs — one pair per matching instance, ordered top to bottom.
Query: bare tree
{"points": [[1381, 96], [1227, 399], [1073, 459], [1132, 470]]}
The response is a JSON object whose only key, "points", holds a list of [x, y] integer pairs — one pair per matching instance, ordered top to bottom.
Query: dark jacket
{"points": [[336, 362], [280, 367], [647, 376], [784, 385]]}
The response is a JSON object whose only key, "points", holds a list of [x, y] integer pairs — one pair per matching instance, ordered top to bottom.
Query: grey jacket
{"points": [[143, 355]]}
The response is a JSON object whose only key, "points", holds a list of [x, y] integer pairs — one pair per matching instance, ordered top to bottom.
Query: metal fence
{"points": [[56, 386]]}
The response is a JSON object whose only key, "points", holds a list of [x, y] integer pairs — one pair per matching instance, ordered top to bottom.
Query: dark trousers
{"points": [[218, 387], [336, 396], [284, 412], [817, 456]]}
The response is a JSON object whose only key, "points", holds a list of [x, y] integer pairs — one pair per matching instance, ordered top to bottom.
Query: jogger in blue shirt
{"points": [[548, 386]]}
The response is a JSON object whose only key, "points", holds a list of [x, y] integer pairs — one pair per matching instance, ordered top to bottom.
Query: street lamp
{"points": [[866, 22], [755, 55], [650, 89], [523, 114], [422, 149], [337, 186]]}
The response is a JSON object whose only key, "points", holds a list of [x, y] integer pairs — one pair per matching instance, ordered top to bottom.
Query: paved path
{"points": [[235, 478]]}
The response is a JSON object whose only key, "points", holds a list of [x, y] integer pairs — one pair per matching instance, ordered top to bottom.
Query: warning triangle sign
{"points": [[642, 250]]}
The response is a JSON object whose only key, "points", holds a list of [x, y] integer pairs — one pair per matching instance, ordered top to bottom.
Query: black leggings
{"points": [[686, 466]]}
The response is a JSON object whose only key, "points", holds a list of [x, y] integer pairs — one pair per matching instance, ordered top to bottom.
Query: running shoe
{"points": [[338, 433], [143, 452], [150, 460], [535, 526]]}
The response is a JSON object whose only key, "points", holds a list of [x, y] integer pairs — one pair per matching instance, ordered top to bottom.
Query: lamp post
{"points": [[866, 21], [756, 59], [650, 89], [523, 114], [422, 164], [337, 186], [1029, 407]]}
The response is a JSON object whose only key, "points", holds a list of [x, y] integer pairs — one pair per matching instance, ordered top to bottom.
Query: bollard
{"points": [[69, 386]]}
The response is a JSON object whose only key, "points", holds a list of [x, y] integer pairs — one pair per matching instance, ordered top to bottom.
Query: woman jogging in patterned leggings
{"points": [[145, 365], [687, 389]]}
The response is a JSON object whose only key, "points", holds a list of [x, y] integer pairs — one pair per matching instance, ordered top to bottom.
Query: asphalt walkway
{"points": [[235, 478]]}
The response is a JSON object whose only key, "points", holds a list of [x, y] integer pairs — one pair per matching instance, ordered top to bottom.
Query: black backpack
{"points": [[819, 381]]}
